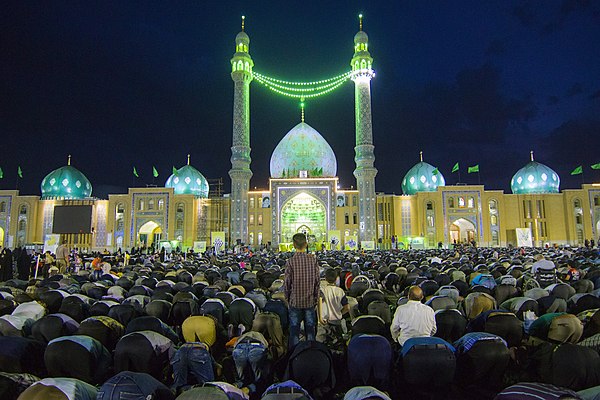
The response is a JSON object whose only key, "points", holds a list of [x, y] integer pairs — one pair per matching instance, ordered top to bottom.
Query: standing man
{"points": [[62, 257], [301, 289], [413, 319]]}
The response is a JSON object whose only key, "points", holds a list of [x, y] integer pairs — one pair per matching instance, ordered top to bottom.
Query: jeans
{"points": [[297, 315], [250, 355], [195, 360], [128, 385]]}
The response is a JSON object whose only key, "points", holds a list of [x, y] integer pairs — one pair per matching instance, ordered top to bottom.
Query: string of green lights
{"points": [[302, 90]]}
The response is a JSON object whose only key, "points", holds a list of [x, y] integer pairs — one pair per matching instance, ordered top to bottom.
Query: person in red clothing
{"points": [[301, 289]]}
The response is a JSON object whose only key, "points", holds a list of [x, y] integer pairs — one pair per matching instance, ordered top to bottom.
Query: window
{"points": [[252, 200], [354, 201], [597, 201], [450, 202], [461, 202], [471, 202], [577, 203], [151, 204], [161, 204], [493, 204], [141, 205], [3, 206], [429, 206], [180, 207], [120, 208], [527, 208], [23, 210], [379, 212], [251, 219], [260, 219], [346, 219], [354, 219], [493, 220], [22, 224], [120, 224], [179, 224], [495, 240]]}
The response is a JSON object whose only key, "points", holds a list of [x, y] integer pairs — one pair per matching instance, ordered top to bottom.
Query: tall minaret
{"points": [[365, 171], [240, 173]]}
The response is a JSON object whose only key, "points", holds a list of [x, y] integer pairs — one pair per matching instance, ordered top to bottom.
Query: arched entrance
{"points": [[303, 213], [462, 231], [149, 233], [1, 236]]}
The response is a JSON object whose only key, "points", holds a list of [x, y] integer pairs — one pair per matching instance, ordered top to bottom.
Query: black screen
{"points": [[72, 219]]}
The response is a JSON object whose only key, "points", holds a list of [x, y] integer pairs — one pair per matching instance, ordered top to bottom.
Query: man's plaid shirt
{"points": [[301, 284]]}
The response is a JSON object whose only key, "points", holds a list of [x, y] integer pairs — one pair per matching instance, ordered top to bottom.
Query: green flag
{"points": [[596, 166], [455, 168], [474, 168], [174, 171], [435, 171], [577, 171], [19, 172], [154, 172], [1, 173], [135, 173]]}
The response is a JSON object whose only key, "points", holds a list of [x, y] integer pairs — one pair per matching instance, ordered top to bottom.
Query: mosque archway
{"points": [[306, 214], [462, 231], [150, 233]]}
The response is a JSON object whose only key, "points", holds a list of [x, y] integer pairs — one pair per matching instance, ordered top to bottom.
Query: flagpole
{"points": [[458, 175], [478, 177], [582, 177], [17, 185]]}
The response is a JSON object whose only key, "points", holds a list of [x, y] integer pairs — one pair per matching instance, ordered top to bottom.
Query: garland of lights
{"points": [[302, 90]]}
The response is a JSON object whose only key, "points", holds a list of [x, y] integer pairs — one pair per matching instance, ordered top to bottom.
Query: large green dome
{"points": [[303, 149], [423, 177], [535, 178], [188, 180], [66, 183]]}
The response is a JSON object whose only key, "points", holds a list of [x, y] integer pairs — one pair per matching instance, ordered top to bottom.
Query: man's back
{"points": [[302, 281], [412, 319]]}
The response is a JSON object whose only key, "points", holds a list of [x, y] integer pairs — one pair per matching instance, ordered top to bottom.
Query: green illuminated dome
{"points": [[303, 149], [422, 178], [535, 178], [188, 180], [66, 183]]}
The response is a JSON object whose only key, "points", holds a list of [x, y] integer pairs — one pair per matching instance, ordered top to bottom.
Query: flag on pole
{"points": [[596, 166], [455, 168], [474, 168], [174, 171], [435, 171], [577, 171], [19, 172], [154, 172], [1, 173], [135, 173]]}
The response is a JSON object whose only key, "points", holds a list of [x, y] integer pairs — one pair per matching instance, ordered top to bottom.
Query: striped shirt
{"points": [[302, 281]]}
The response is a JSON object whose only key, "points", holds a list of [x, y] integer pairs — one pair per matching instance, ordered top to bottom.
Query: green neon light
{"points": [[345, 74], [308, 89]]}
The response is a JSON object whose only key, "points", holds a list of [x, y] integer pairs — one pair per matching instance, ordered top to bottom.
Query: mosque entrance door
{"points": [[303, 213], [462, 230], [150, 233]]}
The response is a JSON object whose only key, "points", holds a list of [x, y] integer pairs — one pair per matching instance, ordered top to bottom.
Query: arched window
{"points": [[240, 65], [450, 202], [461, 202], [471, 202], [577, 203], [151, 204], [161, 204], [493, 204], [141, 205], [2, 207], [120, 208], [180, 208], [23, 210], [354, 219], [493, 219], [22, 224], [120, 224], [179, 224]]}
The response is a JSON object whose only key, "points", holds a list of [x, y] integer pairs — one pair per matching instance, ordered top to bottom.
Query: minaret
{"points": [[365, 171], [240, 173]]}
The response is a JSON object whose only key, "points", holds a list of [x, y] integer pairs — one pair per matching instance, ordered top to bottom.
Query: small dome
{"points": [[242, 37], [361, 37], [303, 149], [421, 178], [534, 178], [188, 180], [66, 183]]}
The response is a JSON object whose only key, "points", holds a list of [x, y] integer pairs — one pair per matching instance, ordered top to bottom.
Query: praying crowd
{"points": [[461, 323]]}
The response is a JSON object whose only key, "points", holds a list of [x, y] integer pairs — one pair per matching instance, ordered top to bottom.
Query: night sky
{"points": [[119, 84]]}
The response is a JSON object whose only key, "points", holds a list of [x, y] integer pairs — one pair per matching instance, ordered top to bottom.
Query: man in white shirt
{"points": [[413, 319]]}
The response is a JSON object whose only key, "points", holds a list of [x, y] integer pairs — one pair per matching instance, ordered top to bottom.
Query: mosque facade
{"points": [[303, 195]]}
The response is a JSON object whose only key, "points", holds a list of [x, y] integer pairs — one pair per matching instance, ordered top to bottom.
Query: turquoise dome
{"points": [[303, 149], [421, 178], [535, 178], [188, 180], [66, 183]]}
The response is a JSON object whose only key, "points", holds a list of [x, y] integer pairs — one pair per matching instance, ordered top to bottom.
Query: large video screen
{"points": [[72, 219]]}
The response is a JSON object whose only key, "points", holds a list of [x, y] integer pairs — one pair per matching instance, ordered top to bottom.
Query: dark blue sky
{"points": [[126, 83]]}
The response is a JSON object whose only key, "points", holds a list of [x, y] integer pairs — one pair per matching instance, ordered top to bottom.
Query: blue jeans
{"points": [[297, 315], [250, 355], [195, 360]]}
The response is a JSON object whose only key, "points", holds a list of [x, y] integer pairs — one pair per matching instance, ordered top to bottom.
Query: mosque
{"points": [[303, 194]]}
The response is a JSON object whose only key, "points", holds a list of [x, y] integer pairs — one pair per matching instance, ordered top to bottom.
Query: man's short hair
{"points": [[299, 240], [331, 275], [415, 293]]}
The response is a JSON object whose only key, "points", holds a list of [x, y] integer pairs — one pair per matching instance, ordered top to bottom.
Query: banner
{"points": [[266, 200], [524, 237], [334, 239], [217, 240], [51, 243], [351, 243], [367, 245], [200, 247]]}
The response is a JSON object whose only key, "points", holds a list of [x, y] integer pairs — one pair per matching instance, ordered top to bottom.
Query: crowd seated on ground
{"points": [[500, 323]]}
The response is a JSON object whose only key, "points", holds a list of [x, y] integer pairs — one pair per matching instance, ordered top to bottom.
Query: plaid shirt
{"points": [[302, 280]]}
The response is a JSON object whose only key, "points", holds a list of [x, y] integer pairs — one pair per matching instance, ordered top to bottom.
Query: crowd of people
{"points": [[463, 323]]}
